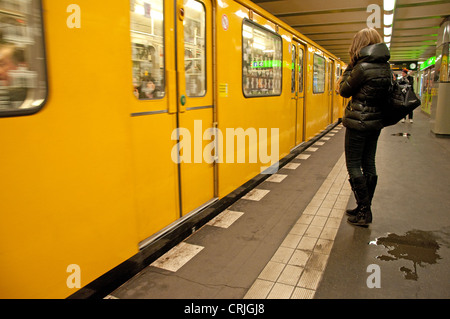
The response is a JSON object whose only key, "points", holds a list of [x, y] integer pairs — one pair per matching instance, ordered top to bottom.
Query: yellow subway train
{"points": [[120, 119]]}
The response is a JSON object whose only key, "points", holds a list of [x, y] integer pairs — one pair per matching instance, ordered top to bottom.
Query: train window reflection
{"points": [[147, 41], [194, 48], [261, 61], [319, 74], [23, 84]]}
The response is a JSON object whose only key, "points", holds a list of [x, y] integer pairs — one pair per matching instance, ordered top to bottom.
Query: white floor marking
{"points": [[303, 156], [291, 165], [276, 178], [256, 194], [225, 219], [177, 257]]}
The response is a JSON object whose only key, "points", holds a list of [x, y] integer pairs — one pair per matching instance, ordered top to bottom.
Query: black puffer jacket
{"points": [[367, 82]]}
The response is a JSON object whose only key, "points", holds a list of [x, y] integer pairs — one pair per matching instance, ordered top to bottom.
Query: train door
{"points": [[297, 91], [195, 103]]}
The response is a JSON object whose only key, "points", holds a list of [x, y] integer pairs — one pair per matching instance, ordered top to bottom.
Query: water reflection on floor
{"points": [[417, 246]]}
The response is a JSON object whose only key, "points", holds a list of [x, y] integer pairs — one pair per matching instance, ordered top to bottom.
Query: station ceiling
{"points": [[333, 23]]}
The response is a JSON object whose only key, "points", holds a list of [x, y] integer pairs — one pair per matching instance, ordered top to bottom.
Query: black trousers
{"points": [[410, 116], [360, 151]]}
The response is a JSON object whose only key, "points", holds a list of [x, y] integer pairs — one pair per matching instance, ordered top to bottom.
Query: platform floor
{"points": [[288, 238]]}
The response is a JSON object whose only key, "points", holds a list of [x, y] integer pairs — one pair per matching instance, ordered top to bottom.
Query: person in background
{"points": [[12, 58], [407, 79], [367, 81], [148, 89]]}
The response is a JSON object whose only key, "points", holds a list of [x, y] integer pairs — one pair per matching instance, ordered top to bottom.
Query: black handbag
{"points": [[402, 100]]}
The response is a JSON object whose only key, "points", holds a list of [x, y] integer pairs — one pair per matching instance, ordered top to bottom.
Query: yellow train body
{"points": [[91, 175]]}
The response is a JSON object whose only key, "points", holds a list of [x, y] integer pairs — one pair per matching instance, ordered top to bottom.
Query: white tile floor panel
{"points": [[296, 268]]}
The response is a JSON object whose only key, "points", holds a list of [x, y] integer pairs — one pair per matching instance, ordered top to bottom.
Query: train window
{"points": [[147, 42], [194, 48], [261, 61], [300, 70], [293, 71], [338, 71], [319, 74], [337, 75], [330, 76], [23, 80]]}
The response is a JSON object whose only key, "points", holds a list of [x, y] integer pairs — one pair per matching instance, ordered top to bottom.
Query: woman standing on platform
{"points": [[407, 79], [366, 80]]}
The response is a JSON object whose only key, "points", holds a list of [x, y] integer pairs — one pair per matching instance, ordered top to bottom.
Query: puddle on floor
{"points": [[402, 134], [416, 246]]}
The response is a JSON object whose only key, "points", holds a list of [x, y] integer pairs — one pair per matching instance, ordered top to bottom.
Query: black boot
{"points": [[371, 182], [354, 211], [364, 214], [363, 218]]}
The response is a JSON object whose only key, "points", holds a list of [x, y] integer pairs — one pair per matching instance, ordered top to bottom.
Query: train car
{"points": [[119, 120]]}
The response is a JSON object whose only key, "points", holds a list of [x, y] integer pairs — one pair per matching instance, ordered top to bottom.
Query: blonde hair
{"points": [[362, 39]]}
